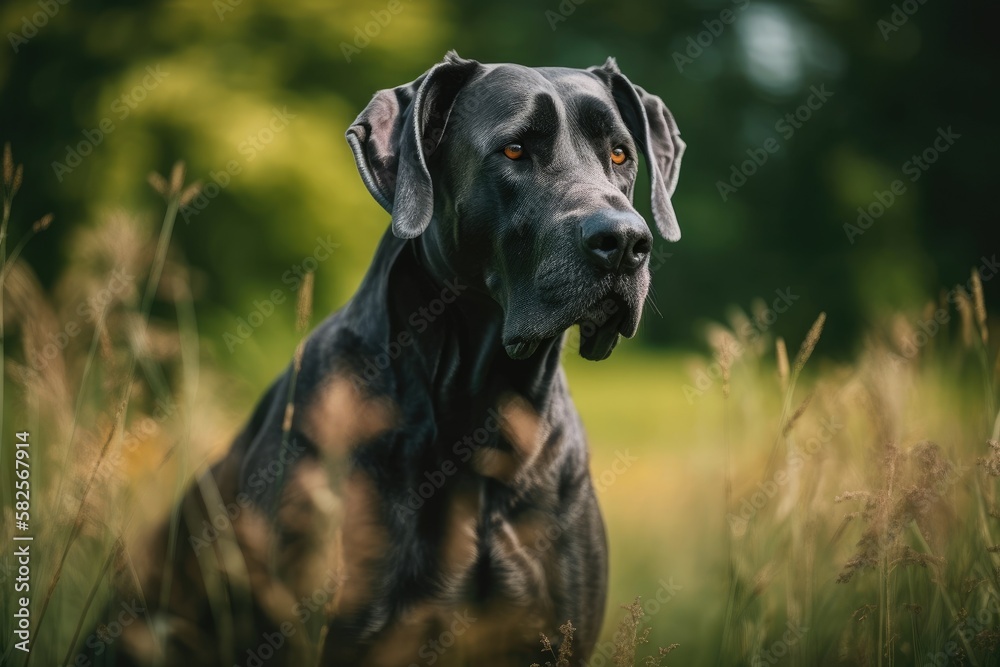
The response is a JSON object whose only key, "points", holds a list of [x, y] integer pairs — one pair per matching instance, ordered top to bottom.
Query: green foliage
{"points": [[229, 64]]}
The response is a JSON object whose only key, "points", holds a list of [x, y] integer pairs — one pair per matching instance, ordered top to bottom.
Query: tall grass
{"points": [[98, 377], [865, 535], [870, 538]]}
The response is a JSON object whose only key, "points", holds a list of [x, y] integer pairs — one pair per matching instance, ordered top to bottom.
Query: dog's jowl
{"points": [[415, 490]]}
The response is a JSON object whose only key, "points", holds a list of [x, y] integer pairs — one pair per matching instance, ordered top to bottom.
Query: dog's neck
{"points": [[442, 328]]}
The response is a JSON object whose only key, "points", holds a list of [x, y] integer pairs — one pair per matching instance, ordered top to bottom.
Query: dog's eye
{"points": [[514, 151], [618, 155]]}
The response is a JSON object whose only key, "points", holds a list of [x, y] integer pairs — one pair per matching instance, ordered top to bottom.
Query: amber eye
{"points": [[514, 151], [618, 155]]}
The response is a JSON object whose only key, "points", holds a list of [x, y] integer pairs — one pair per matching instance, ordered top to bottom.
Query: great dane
{"points": [[415, 489]]}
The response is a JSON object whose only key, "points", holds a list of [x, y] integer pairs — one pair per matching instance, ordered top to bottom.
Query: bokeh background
{"points": [[229, 65], [95, 95]]}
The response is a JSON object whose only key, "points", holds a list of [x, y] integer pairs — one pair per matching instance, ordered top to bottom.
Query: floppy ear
{"points": [[652, 126], [393, 136]]}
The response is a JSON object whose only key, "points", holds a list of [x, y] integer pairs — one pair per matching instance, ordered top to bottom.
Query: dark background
{"points": [[229, 64]]}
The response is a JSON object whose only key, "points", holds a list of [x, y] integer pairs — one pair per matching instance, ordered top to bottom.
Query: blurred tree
{"points": [[255, 97]]}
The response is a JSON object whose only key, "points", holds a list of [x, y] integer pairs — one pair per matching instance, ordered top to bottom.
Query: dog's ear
{"points": [[652, 126], [393, 136]]}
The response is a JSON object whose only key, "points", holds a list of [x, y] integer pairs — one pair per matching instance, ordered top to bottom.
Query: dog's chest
{"points": [[452, 519], [466, 537], [472, 551]]}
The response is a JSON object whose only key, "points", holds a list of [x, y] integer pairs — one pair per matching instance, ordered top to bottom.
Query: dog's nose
{"points": [[616, 240]]}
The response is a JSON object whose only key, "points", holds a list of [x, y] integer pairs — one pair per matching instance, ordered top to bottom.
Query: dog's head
{"points": [[520, 180]]}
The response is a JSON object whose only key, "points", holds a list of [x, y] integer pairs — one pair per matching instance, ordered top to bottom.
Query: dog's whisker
{"points": [[651, 300]]}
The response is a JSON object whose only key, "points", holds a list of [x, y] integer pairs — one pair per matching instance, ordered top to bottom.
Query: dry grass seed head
{"points": [[8, 165], [12, 176], [176, 178], [159, 184], [190, 192], [42, 223], [107, 262], [980, 304], [930, 308], [303, 309], [965, 309], [740, 324], [901, 335], [809, 344], [726, 347], [782, 353], [725, 363], [46, 377], [884, 391], [799, 411], [991, 462], [931, 466], [911, 491], [879, 531], [760, 581], [972, 583], [627, 638], [988, 640], [566, 647], [546, 648], [663, 652]]}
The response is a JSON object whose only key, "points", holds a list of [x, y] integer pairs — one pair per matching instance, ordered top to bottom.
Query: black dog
{"points": [[420, 474]]}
